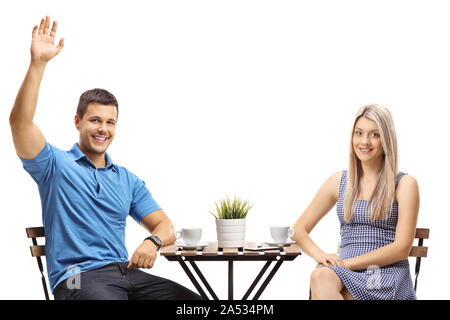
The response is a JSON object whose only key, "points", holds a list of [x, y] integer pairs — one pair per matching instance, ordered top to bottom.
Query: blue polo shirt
{"points": [[84, 209]]}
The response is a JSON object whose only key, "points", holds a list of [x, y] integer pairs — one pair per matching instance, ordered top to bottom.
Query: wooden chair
{"points": [[38, 251], [419, 252]]}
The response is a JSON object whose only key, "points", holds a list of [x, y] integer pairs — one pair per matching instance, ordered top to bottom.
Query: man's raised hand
{"points": [[43, 42]]}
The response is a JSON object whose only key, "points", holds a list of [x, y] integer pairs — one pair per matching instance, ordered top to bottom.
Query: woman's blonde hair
{"points": [[383, 194]]}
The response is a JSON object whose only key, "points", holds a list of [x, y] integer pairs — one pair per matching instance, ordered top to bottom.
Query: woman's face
{"points": [[367, 141]]}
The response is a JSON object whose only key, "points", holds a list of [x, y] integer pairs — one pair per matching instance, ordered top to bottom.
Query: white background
{"points": [[247, 98]]}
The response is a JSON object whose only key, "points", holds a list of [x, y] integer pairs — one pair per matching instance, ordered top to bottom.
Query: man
{"points": [[86, 198]]}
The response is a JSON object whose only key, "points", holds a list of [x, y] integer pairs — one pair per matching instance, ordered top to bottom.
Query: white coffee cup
{"points": [[281, 233], [190, 236]]}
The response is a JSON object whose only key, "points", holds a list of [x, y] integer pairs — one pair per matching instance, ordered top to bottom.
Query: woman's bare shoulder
{"points": [[337, 175], [407, 181], [333, 182], [407, 187]]}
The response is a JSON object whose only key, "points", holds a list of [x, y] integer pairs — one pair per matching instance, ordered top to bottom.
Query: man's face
{"points": [[97, 128]]}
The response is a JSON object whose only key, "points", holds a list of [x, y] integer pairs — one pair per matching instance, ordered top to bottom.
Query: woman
{"points": [[377, 207]]}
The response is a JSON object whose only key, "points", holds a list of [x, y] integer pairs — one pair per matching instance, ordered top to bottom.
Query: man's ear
{"points": [[77, 122]]}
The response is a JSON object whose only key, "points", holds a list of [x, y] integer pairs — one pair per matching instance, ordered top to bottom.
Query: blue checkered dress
{"points": [[361, 236]]}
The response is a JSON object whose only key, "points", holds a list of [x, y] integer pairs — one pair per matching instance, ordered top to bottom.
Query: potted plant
{"points": [[230, 222]]}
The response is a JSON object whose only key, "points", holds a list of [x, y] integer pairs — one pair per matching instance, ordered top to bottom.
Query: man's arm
{"points": [[28, 138], [159, 224]]}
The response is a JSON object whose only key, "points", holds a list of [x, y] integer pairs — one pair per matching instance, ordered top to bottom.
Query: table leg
{"points": [[269, 277], [203, 279], [193, 280], [230, 280], [255, 282]]}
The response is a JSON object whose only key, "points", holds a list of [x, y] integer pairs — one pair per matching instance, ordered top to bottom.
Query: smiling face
{"points": [[97, 128], [367, 141]]}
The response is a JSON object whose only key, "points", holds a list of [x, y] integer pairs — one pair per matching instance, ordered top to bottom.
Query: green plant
{"points": [[227, 209]]}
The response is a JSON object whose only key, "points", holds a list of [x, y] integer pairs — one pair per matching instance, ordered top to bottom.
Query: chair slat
{"points": [[36, 232], [422, 233], [37, 251], [418, 252]]}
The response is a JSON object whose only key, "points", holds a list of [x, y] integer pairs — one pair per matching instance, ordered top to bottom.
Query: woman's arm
{"points": [[322, 203], [408, 210]]}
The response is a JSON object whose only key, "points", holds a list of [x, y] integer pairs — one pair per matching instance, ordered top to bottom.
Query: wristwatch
{"points": [[155, 240]]}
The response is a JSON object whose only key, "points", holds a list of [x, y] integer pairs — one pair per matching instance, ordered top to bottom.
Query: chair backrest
{"points": [[38, 251], [419, 251]]}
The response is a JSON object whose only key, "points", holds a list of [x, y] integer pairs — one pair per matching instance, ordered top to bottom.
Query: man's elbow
{"points": [[12, 120], [19, 125], [171, 236], [171, 240]]}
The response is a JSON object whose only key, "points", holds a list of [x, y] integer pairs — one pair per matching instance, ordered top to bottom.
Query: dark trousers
{"points": [[115, 282]]}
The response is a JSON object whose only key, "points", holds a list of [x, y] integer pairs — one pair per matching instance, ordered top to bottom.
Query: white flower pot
{"points": [[230, 233]]}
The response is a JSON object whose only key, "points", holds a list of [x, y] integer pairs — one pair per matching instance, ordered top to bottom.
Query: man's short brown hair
{"points": [[96, 95]]}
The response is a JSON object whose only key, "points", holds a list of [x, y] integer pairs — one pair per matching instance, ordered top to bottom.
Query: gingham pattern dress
{"points": [[361, 236]]}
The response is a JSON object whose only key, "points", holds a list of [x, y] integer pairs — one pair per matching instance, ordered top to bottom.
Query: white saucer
{"points": [[280, 244], [197, 246]]}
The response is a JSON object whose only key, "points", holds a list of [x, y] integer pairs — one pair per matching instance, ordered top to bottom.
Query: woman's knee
{"points": [[324, 276]]}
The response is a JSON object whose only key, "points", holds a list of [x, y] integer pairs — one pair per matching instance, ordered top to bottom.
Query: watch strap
{"points": [[155, 240]]}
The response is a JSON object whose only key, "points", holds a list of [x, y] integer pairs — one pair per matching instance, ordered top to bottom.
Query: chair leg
{"points": [[417, 266], [41, 270], [417, 272], [44, 283]]}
